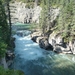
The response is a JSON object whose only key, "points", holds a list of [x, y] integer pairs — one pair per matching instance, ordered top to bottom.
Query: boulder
{"points": [[35, 35], [34, 38], [38, 39], [56, 40], [43, 43], [72, 46], [61, 49], [9, 55]]}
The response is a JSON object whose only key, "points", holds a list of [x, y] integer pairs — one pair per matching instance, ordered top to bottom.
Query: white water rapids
{"points": [[27, 49], [33, 60]]}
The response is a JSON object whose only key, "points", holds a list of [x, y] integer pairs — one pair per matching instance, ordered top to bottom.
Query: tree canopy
{"points": [[64, 23], [4, 30]]}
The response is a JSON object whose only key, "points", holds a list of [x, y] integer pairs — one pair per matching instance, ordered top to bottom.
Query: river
{"points": [[33, 60]]}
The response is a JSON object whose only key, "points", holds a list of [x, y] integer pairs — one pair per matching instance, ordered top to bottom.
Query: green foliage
{"points": [[30, 5], [45, 19], [65, 22], [3, 23], [4, 31], [2, 49], [10, 72]]}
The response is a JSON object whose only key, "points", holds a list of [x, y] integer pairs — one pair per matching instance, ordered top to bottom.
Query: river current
{"points": [[33, 60]]}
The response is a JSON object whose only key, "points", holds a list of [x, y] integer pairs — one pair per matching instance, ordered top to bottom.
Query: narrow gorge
{"points": [[23, 14], [37, 37]]}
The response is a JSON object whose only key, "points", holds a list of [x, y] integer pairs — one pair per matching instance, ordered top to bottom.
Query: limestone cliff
{"points": [[20, 13]]}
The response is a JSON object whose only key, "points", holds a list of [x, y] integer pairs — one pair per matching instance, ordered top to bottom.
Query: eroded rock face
{"points": [[20, 13], [35, 36], [43, 43], [59, 45], [72, 46], [9, 57]]}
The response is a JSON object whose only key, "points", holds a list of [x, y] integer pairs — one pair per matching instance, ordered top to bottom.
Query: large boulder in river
{"points": [[43, 43]]}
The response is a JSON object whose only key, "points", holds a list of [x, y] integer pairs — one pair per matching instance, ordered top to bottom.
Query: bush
{"points": [[10, 72]]}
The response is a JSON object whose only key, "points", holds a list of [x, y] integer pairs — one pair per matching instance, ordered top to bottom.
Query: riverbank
{"points": [[53, 42], [33, 60]]}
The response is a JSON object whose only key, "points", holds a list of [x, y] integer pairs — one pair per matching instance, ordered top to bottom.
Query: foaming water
{"points": [[27, 49], [33, 60]]}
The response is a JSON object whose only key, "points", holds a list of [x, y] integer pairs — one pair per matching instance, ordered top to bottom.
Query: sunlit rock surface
{"points": [[20, 13], [59, 45]]}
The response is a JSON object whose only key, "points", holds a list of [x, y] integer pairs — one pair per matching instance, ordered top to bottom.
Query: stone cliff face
{"points": [[19, 13], [54, 42], [59, 45]]}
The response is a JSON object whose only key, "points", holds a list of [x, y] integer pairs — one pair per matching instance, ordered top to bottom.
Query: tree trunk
{"points": [[36, 3], [9, 17], [4, 63]]}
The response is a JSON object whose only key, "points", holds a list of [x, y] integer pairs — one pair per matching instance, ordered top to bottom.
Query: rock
{"points": [[20, 13], [36, 14], [35, 35], [34, 38], [38, 39], [55, 39], [12, 42], [57, 42], [43, 43], [72, 46], [61, 49], [9, 55], [9, 63]]}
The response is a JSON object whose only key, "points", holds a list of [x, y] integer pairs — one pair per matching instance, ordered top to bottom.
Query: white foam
{"points": [[27, 49]]}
